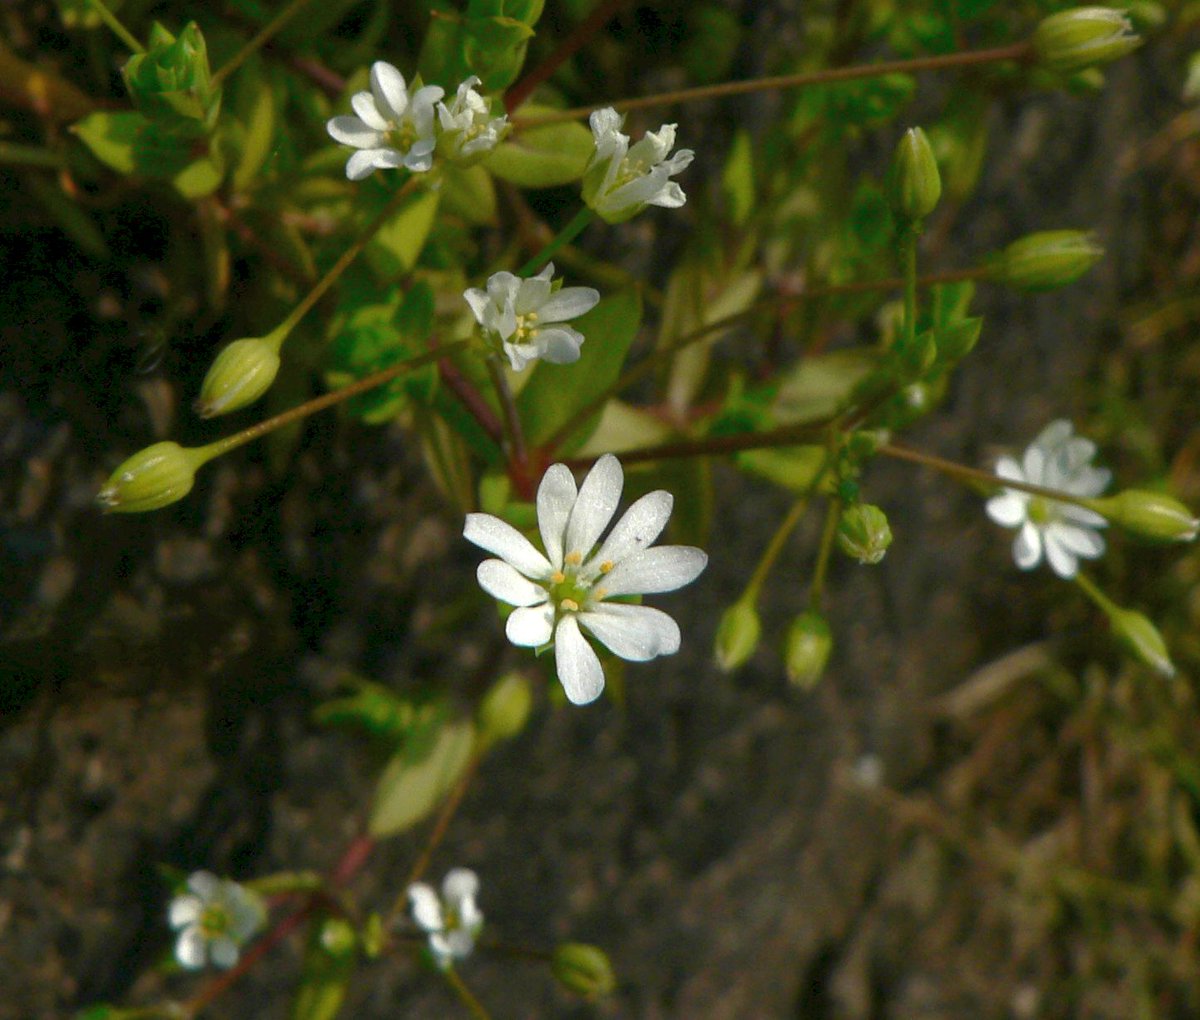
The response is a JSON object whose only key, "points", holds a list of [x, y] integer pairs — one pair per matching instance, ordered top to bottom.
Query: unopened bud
{"points": [[1083, 37], [914, 184], [1045, 260], [241, 373], [152, 478], [1149, 514], [863, 533], [737, 634], [1139, 635], [806, 649], [505, 709], [337, 937], [583, 969]]}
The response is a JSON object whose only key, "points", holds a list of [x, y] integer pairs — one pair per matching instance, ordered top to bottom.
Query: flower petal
{"points": [[389, 88], [368, 112], [352, 131], [363, 163], [670, 197], [532, 294], [479, 302], [569, 303], [560, 345], [1008, 468], [555, 499], [597, 502], [1008, 509], [639, 526], [501, 538], [1081, 541], [1027, 546], [1062, 561], [661, 568], [502, 581], [530, 627], [635, 633], [578, 666], [204, 884], [459, 885], [425, 907], [184, 910], [190, 948], [223, 951]]}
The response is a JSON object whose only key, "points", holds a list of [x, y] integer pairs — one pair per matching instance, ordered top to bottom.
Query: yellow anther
{"points": [[573, 558], [606, 566], [557, 577], [599, 593], [569, 606]]}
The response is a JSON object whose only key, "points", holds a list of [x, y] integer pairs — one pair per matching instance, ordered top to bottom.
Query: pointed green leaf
{"points": [[543, 157], [409, 791]]}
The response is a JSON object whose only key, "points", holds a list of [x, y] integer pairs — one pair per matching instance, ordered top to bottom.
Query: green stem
{"points": [[115, 26], [268, 30], [1017, 51], [16, 154], [565, 236], [908, 261], [508, 407], [775, 547], [817, 589], [1102, 601], [464, 994]]}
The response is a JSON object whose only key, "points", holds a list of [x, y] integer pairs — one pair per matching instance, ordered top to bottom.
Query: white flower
{"points": [[394, 127], [468, 129], [620, 181], [529, 316], [1064, 532], [566, 589], [216, 917], [452, 921]]}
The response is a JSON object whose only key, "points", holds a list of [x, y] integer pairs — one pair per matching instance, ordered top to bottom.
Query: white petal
{"points": [[389, 89], [368, 112], [605, 122], [352, 131], [419, 158], [362, 164], [671, 197], [531, 295], [479, 302], [568, 303], [560, 345], [520, 355], [1054, 434], [1035, 464], [1008, 468], [555, 499], [597, 502], [1007, 509], [1080, 515], [640, 525], [501, 538], [1081, 541], [1027, 547], [1062, 561], [661, 568], [502, 581], [530, 627], [636, 633], [578, 666], [204, 884], [459, 885], [425, 907], [184, 910], [459, 942], [190, 948], [223, 951]]}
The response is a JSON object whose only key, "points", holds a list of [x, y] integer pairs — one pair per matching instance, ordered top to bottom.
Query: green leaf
{"points": [[488, 39], [169, 82], [256, 110], [111, 137], [543, 157], [198, 179], [737, 180], [469, 192], [394, 250], [818, 386], [556, 392], [624, 427], [792, 467], [375, 709], [409, 790]]}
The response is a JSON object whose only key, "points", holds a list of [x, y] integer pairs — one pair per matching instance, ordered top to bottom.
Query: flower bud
{"points": [[1083, 37], [171, 79], [914, 184], [1045, 260], [241, 373], [152, 478], [1149, 514], [863, 533], [737, 634], [1139, 635], [806, 649], [505, 709], [583, 969]]}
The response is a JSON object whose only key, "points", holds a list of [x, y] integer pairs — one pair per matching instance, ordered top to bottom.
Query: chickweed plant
{"points": [[425, 210]]}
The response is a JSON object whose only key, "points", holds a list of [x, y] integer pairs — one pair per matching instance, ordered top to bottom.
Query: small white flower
{"points": [[393, 127], [469, 131], [620, 181], [529, 316], [1062, 531], [565, 589], [215, 919], [452, 921]]}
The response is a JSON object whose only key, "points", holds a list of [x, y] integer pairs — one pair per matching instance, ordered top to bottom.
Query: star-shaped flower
{"points": [[394, 126], [469, 131], [620, 181], [528, 316], [1063, 532], [570, 587], [215, 918], [453, 920]]}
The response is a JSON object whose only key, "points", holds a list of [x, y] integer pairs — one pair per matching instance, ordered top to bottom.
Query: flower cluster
{"points": [[396, 125], [620, 180], [527, 317], [1062, 532], [570, 586], [215, 918], [452, 920]]}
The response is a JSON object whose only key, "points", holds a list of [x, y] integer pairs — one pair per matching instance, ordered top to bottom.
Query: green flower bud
{"points": [[1083, 37], [171, 79], [914, 184], [1045, 260], [919, 356], [241, 373], [152, 478], [1149, 514], [863, 533], [737, 635], [1139, 635], [806, 649], [505, 709], [337, 937], [583, 969]]}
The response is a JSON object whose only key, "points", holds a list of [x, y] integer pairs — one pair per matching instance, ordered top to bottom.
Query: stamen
{"points": [[573, 558], [606, 566], [557, 577], [599, 593], [569, 606]]}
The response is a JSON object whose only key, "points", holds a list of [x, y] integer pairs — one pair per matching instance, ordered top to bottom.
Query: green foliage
{"points": [[487, 39], [543, 157], [412, 785], [328, 967]]}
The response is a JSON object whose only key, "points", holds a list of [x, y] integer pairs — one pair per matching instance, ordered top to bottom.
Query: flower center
{"points": [[404, 135], [526, 328], [1041, 510], [571, 592], [215, 920]]}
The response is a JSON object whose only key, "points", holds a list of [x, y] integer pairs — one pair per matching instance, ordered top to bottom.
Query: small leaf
{"points": [[255, 107], [111, 137], [542, 157], [737, 181], [469, 192], [394, 250], [817, 386], [793, 467], [408, 791]]}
